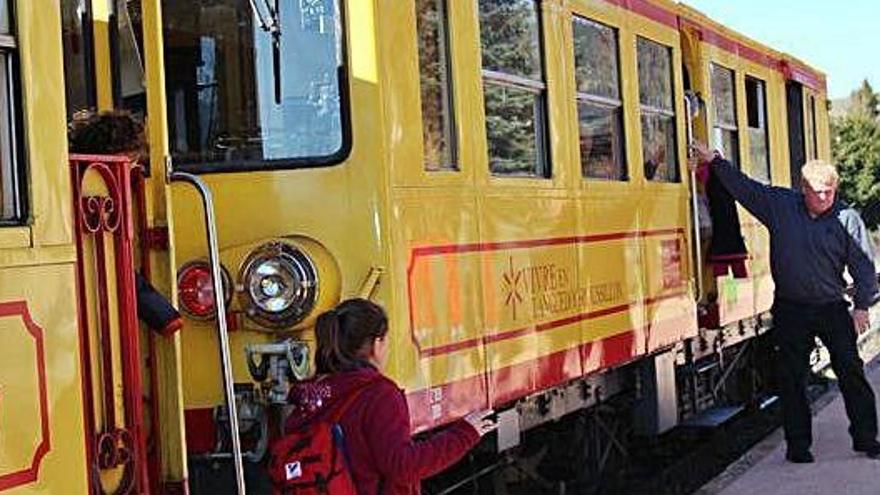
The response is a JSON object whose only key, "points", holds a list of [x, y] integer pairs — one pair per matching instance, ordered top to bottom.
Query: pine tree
{"points": [[864, 102], [856, 148]]}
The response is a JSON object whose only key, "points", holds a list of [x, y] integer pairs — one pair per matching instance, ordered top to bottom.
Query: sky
{"points": [[841, 38]]}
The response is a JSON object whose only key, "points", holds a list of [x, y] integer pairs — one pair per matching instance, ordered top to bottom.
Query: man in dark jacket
{"points": [[813, 239]]}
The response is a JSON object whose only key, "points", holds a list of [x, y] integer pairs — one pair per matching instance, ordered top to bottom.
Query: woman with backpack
{"points": [[357, 420]]}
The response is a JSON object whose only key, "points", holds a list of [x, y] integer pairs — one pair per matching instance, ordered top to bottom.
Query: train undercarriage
{"points": [[611, 431]]}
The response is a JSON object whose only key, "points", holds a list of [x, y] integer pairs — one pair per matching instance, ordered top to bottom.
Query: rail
{"points": [[691, 103], [220, 305]]}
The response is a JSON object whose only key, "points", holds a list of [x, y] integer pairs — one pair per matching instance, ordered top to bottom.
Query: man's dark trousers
{"points": [[795, 327]]}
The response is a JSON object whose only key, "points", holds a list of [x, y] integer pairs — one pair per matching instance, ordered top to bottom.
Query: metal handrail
{"points": [[695, 201], [220, 304]]}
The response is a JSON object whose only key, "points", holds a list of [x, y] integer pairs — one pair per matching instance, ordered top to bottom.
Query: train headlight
{"points": [[279, 285]]}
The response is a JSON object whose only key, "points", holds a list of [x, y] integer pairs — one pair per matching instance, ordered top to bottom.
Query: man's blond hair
{"points": [[819, 173]]}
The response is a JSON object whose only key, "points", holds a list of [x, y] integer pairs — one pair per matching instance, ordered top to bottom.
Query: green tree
{"points": [[864, 102], [856, 149]]}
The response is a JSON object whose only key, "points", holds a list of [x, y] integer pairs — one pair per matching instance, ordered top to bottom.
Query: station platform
{"points": [[837, 470]]}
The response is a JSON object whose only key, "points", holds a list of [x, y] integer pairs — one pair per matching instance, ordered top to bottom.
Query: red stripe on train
{"points": [[428, 251], [435, 406]]}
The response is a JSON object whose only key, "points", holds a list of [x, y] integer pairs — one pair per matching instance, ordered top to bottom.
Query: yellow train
{"points": [[507, 178]]}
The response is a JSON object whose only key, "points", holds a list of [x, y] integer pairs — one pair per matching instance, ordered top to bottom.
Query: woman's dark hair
{"points": [[108, 132], [346, 333]]}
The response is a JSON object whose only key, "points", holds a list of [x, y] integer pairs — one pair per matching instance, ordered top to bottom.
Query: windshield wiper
{"points": [[272, 24]]}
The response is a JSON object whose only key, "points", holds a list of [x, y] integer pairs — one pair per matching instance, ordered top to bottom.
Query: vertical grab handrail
{"points": [[690, 100], [214, 258]]}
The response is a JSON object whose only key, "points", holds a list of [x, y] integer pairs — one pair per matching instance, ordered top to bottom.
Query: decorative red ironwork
{"points": [[99, 217], [148, 242]]}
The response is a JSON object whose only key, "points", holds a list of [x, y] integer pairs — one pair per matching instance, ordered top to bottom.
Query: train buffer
{"points": [[837, 468]]}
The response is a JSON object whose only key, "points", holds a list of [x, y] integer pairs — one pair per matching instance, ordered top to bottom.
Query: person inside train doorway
{"points": [[813, 239]]}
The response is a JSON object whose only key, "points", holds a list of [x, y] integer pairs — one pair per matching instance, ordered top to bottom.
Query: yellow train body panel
{"points": [[42, 440]]}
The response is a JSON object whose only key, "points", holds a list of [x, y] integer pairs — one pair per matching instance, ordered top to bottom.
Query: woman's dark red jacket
{"points": [[377, 431]]}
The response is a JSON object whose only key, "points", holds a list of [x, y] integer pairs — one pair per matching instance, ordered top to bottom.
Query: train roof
{"points": [[679, 15], [716, 33]]}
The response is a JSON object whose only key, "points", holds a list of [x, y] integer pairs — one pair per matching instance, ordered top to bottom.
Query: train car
{"points": [[507, 177]]}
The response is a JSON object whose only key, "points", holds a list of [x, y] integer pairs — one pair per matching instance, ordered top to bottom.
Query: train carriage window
{"points": [[5, 18], [126, 46], [79, 63], [255, 85], [514, 87], [600, 109], [438, 117], [725, 132], [812, 140], [659, 148], [759, 151], [12, 186]]}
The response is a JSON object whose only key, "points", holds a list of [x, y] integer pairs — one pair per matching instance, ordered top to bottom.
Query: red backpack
{"points": [[311, 460]]}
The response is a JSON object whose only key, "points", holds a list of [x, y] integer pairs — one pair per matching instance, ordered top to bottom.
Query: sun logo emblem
{"points": [[511, 282]]}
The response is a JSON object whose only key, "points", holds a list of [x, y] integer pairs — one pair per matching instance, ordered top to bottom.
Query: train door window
{"points": [[126, 45], [79, 61], [256, 85], [514, 88], [794, 99], [656, 100], [600, 109], [438, 117], [725, 132], [812, 141], [759, 151], [12, 187]]}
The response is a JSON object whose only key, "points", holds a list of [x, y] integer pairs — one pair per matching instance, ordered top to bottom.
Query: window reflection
{"points": [[5, 18], [511, 37], [655, 75], [79, 77], [129, 77], [514, 87], [240, 96], [600, 110], [511, 116], [438, 121], [725, 130], [812, 140], [659, 150], [759, 152], [13, 188]]}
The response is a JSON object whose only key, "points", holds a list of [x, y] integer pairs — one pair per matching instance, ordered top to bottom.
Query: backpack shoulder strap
{"points": [[336, 413]]}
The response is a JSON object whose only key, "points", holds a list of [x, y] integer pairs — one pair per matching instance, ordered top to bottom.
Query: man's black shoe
{"points": [[870, 449], [799, 456]]}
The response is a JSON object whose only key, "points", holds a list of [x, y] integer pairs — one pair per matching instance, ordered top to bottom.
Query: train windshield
{"points": [[255, 84]]}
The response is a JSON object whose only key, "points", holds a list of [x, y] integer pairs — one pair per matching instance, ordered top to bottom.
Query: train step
{"points": [[713, 417]]}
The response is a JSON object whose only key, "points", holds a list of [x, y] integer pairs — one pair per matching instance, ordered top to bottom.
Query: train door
{"points": [[696, 89], [247, 105], [797, 142], [130, 383]]}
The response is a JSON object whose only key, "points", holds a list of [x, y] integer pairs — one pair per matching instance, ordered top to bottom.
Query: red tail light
{"points": [[195, 289]]}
